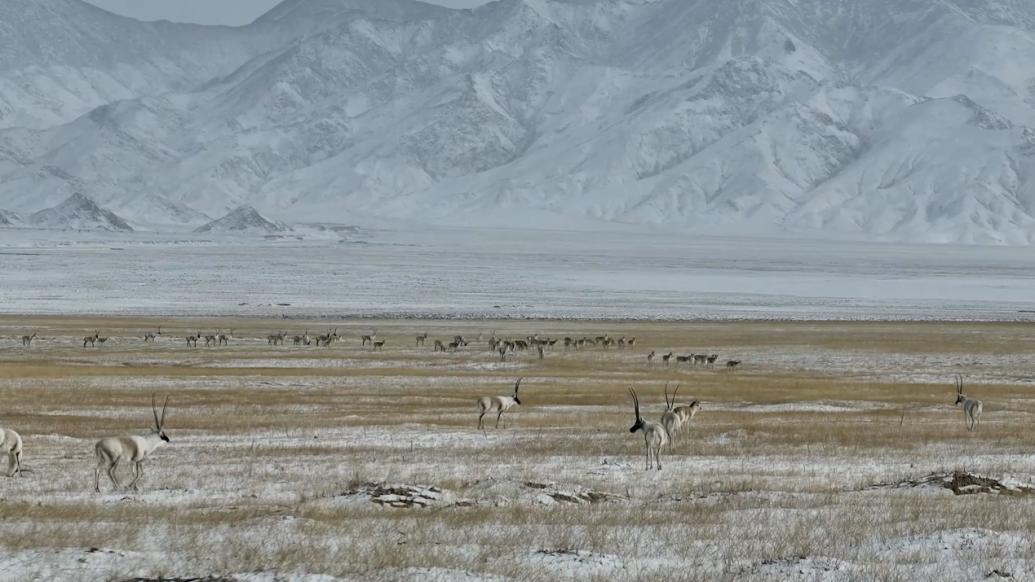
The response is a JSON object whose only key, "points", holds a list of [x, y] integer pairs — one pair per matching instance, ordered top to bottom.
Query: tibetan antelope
{"points": [[151, 336], [224, 338], [328, 338], [421, 338], [27, 339], [91, 339], [276, 339], [303, 339], [369, 339], [192, 340], [211, 340], [631, 342], [621, 343], [378, 345], [439, 346], [503, 353], [650, 358], [666, 358], [712, 358], [680, 359], [701, 359], [731, 365], [498, 403], [971, 407], [687, 413], [671, 421], [655, 437], [11, 445], [133, 449]]}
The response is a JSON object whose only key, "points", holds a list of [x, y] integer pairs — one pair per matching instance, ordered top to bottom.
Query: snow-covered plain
{"points": [[507, 273]]}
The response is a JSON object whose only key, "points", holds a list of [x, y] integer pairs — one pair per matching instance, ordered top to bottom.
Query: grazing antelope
{"points": [[151, 336], [224, 338], [421, 338], [27, 339], [91, 339], [378, 345], [650, 358], [666, 358], [731, 365], [498, 403], [971, 407], [687, 413], [669, 419], [655, 437], [11, 445], [134, 449]]}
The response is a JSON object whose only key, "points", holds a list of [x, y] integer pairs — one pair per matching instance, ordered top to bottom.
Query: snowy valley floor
{"points": [[831, 454]]}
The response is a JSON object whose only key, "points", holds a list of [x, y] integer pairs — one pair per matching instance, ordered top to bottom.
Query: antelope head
{"points": [[160, 420]]}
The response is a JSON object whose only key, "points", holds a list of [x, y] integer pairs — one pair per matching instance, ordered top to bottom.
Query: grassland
{"points": [[801, 465]]}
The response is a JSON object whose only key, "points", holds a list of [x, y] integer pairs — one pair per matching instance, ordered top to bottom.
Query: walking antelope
{"points": [[150, 336], [224, 338], [421, 338], [27, 339], [91, 339], [192, 340], [210, 340], [378, 345], [650, 358], [666, 358], [689, 358], [700, 359], [731, 365], [498, 404], [971, 407], [687, 413], [669, 419], [655, 437], [11, 445], [133, 449]]}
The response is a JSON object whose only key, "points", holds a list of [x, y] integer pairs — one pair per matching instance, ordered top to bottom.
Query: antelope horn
{"points": [[518, 385], [164, 407], [154, 411]]}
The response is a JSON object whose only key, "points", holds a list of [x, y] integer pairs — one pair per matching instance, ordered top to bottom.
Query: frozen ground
{"points": [[499, 273], [834, 453]]}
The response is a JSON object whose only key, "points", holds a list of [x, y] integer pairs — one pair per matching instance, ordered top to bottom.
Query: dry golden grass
{"points": [[267, 438]]}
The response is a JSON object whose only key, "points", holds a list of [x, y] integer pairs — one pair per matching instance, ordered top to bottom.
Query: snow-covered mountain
{"points": [[891, 119], [79, 212], [245, 220]]}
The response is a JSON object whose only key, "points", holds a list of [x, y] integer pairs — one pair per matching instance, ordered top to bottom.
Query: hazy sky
{"points": [[232, 12]]}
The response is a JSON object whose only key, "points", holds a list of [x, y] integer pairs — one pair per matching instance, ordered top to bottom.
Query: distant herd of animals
{"points": [[134, 449]]}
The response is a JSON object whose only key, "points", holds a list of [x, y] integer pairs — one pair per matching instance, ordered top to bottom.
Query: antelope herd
{"points": [[111, 452]]}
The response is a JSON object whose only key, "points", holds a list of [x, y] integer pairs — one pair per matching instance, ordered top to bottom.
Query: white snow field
{"points": [[508, 273]]}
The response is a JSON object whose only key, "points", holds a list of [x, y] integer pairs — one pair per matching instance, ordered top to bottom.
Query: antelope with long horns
{"points": [[499, 404], [971, 406], [655, 437], [11, 445], [132, 449]]}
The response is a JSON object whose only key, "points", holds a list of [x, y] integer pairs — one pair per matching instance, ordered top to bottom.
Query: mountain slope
{"points": [[892, 119], [79, 212]]}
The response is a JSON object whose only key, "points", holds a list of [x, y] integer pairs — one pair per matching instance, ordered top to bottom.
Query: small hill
{"points": [[79, 212], [8, 218], [244, 220]]}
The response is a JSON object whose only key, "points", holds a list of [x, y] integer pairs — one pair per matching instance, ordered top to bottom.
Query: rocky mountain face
{"points": [[882, 119], [79, 212], [243, 220]]}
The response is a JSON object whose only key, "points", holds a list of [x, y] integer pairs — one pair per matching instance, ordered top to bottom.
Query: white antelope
{"points": [[498, 403], [971, 406], [687, 413], [670, 420], [655, 437], [11, 445], [134, 449]]}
